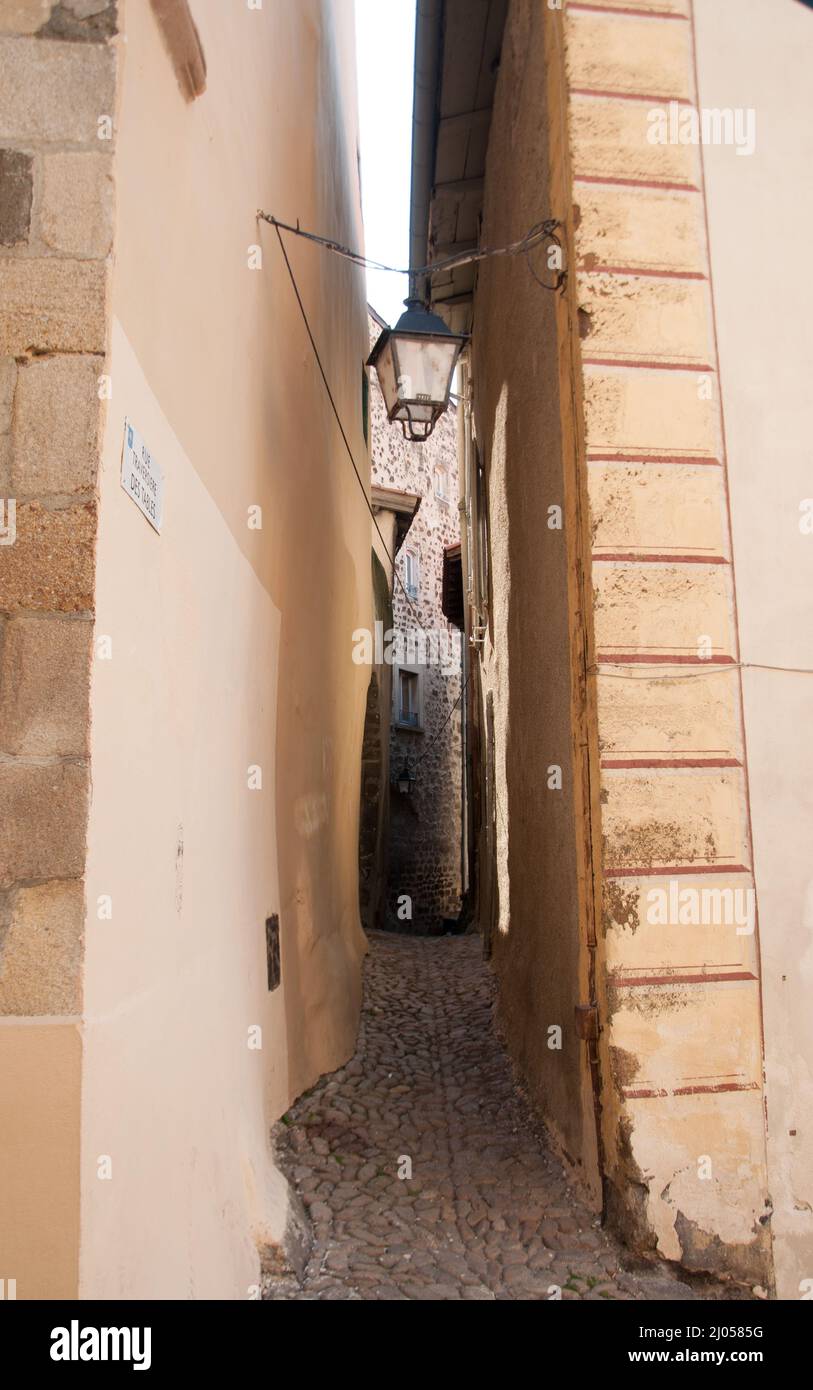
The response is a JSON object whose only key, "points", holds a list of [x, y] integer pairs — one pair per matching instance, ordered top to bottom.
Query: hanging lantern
{"points": [[415, 362], [405, 779]]}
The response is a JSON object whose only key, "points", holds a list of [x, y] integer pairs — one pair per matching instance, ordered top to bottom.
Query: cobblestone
{"points": [[485, 1210]]}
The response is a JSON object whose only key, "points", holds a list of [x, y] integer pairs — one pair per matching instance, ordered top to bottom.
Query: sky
{"points": [[385, 44]]}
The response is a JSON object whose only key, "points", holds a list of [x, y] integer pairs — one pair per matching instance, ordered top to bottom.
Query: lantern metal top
{"points": [[419, 319], [417, 331]]}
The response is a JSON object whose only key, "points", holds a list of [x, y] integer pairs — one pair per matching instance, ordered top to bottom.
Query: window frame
{"points": [[412, 565], [398, 722]]}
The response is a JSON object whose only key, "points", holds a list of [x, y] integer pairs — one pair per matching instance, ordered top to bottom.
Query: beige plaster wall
{"points": [[755, 54], [231, 649], [172, 1090]]}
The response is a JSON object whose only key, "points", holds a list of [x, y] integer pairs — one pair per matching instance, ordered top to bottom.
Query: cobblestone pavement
{"points": [[487, 1212]]}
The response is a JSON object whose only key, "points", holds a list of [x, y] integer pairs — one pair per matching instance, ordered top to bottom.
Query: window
{"points": [[365, 405], [442, 483], [483, 538], [411, 575], [408, 698]]}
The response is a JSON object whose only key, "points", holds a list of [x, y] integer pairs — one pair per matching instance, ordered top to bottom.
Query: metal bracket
{"points": [[586, 1022]]}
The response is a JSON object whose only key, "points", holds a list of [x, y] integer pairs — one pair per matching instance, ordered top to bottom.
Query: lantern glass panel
{"points": [[425, 367], [385, 368], [419, 413]]}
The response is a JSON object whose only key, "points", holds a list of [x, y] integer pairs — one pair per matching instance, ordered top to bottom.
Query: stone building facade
{"points": [[424, 839]]}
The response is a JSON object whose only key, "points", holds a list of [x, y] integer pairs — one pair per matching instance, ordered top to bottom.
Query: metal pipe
{"points": [[428, 31]]}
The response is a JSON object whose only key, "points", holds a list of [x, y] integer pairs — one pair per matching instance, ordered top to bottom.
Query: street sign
{"points": [[141, 476]]}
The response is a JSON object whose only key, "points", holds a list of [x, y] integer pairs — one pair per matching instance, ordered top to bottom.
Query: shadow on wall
{"points": [[318, 741]]}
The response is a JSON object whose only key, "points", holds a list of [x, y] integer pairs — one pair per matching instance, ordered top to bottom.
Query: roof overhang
{"points": [[457, 57], [404, 506]]}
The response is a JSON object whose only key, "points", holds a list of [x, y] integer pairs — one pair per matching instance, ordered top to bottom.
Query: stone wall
{"points": [[56, 123], [425, 825]]}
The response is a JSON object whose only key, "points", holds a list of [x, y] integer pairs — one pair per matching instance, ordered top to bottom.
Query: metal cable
{"points": [[541, 231], [334, 407]]}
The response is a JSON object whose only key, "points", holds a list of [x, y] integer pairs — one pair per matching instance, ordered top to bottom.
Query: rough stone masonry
{"points": [[486, 1211]]}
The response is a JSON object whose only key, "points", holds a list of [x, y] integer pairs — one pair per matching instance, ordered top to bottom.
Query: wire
{"points": [[541, 231], [359, 478], [391, 557], [712, 670], [431, 745]]}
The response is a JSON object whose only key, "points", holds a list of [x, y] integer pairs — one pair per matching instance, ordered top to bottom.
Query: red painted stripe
{"points": [[626, 9], [629, 96], [617, 182], [642, 272], [647, 364], [701, 461], [648, 558], [661, 659], [659, 753], [670, 762], [675, 870], [723, 965], [713, 978], [661, 1092]]}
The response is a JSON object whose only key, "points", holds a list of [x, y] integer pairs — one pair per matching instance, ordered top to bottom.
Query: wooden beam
{"points": [[452, 125], [458, 188], [452, 248], [451, 301]]}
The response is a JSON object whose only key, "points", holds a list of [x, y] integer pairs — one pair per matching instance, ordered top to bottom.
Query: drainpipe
{"points": [[428, 31]]}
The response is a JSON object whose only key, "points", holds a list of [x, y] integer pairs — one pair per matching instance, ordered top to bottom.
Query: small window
{"points": [[365, 405], [442, 483], [483, 537], [411, 575], [408, 689]]}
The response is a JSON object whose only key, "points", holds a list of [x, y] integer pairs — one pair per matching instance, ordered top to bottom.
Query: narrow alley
{"points": [[406, 670], [487, 1212]]}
